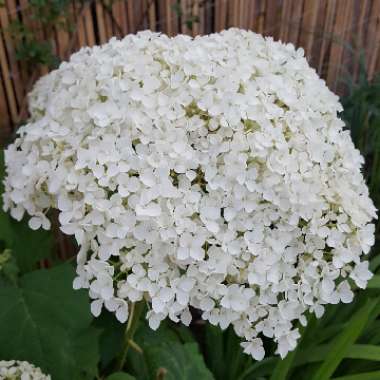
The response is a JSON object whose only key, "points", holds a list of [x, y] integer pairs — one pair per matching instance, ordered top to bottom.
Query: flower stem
{"points": [[134, 317]]}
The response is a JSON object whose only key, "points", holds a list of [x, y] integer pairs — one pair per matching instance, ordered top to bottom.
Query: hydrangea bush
{"points": [[211, 173], [19, 370]]}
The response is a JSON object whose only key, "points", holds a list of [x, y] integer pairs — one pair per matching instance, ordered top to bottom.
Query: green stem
{"points": [[133, 321]]}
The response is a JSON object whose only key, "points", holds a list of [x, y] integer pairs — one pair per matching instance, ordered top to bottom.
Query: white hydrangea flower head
{"points": [[211, 173], [20, 370]]}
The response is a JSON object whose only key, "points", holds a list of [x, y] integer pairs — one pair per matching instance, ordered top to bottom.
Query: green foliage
{"points": [[49, 11], [188, 18], [33, 43], [362, 116], [27, 247], [44, 321], [111, 338], [342, 343], [223, 353], [176, 361], [281, 370], [120, 376]]}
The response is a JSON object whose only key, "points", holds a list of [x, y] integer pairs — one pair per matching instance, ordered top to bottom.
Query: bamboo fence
{"points": [[335, 34]]}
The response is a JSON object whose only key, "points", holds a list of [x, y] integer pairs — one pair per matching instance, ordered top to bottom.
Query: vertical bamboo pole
{"points": [[342, 20], [5, 21], [295, 21], [309, 21], [101, 22], [89, 27], [373, 38], [8, 83]]}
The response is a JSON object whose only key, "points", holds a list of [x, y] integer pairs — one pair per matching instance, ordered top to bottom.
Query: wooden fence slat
{"points": [[185, 8], [122, 9], [243, 13], [116, 14], [151, 14], [195, 14], [251, 14], [220, 15], [285, 16], [168, 17], [202, 17], [130, 18], [261, 18], [309, 20], [295, 21], [108, 22], [139, 22], [101, 23], [271, 23], [89, 27], [81, 31], [327, 33], [358, 37], [373, 38], [62, 42], [337, 47], [10, 50], [15, 67], [8, 83], [5, 122]]}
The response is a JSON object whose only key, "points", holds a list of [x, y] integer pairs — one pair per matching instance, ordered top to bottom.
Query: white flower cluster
{"points": [[210, 172], [19, 370]]}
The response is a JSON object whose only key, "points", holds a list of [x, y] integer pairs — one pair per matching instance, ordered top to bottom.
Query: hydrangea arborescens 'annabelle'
{"points": [[210, 172], [18, 370]]}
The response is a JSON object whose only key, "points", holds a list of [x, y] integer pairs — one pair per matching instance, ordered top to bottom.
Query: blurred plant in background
{"points": [[34, 36], [36, 48], [362, 116]]}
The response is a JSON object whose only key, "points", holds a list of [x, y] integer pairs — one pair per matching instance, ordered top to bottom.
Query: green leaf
{"points": [[5, 228], [29, 246], [374, 263], [374, 282], [47, 323], [111, 337], [146, 338], [341, 344], [214, 350], [356, 351], [364, 351], [177, 361], [283, 367], [262, 368], [120, 376], [360, 376]]}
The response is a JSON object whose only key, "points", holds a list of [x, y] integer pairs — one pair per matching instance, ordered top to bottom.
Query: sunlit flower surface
{"points": [[211, 173], [19, 370]]}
